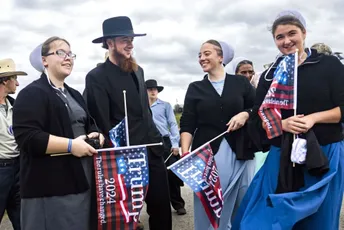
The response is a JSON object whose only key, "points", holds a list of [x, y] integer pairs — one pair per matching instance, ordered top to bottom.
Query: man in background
{"points": [[166, 123], [9, 153]]}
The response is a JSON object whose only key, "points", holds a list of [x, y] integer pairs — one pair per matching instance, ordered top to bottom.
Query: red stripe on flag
{"points": [[284, 87], [282, 96], [274, 118], [204, 154], [201, 195]]}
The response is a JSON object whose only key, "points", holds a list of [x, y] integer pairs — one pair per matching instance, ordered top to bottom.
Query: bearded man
{"points": [[104, 96]]}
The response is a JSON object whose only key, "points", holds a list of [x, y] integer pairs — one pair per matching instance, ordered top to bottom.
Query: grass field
{"points": [[178, 115]]}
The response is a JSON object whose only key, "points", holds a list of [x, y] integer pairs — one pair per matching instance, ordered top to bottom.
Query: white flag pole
{"points": [[296, 56], [295, 79], [126, 118], [193, 152], [168, 157]]}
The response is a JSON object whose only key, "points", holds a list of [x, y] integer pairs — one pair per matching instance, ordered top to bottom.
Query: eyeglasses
{"points": [[63, 54]]}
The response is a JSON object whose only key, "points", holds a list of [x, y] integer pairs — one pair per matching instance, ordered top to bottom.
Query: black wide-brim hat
{"points": [[117, 27], [151, 83]]}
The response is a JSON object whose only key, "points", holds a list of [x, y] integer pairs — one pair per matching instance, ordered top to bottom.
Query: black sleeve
{"points": [[337, 84], [249, 96], [98, 105], [29, 117], [188, 120]]}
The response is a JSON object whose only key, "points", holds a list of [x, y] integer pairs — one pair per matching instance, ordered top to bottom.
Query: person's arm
{"points": [[336, 87], [98, 105], [336, 114], [29, 119], [188, 120], [172, 123], [186, 140]]}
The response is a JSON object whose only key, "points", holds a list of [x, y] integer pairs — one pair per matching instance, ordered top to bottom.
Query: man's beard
{"points": [[127, 65]]}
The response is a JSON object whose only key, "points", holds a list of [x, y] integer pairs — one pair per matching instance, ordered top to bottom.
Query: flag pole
{"points": [[295, 79], [295, 87], [126, 118], [111, 149], [193, 152], [168, 157]]}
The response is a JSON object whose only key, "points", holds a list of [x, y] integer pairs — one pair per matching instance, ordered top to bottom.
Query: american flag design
{"points": [[280, 96], [118, 134], [122, 180], [206, 185]]}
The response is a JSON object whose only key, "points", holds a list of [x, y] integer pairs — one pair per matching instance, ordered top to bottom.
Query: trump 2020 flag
{"points": [[280, 96], [118, 134], [201, 174], [121, 185]]}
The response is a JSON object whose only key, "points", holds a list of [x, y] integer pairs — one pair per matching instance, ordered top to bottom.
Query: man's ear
{"points": [[109, 43], [4, 80]]}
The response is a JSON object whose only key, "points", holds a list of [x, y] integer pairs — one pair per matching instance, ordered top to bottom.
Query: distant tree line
{"points": [[178, 110]]}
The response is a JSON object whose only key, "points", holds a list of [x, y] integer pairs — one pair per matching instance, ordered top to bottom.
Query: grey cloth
{"points": [[3, 109], [77, 114], [8, 145], [235, 177], [70, 212]]}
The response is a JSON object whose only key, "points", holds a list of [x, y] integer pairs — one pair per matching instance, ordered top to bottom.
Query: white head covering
{"points": [[293, 13], [228, 52], [36, 59], [234, 64]]}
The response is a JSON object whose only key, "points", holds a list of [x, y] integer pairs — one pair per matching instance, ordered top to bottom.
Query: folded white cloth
{"points": [[299, 151]]}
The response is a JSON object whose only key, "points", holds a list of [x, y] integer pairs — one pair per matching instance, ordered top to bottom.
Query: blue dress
{"points": [[235, 177], [315, 206]]}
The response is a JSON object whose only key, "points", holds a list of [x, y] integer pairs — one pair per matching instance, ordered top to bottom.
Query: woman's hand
{"points": [[237, 121], [308, 122], [298, 124], [97, 135], [80, 148]]}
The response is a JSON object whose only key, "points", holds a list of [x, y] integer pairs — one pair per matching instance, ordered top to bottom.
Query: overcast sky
{"points": [[175, 30]]}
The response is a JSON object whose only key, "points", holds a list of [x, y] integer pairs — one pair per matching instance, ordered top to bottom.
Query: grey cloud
{"points": [[43, 4], [154, 15], [177, 64], [173, 68]]}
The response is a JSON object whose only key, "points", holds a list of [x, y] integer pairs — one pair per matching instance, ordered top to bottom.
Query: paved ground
{"points": [[179, 222]]}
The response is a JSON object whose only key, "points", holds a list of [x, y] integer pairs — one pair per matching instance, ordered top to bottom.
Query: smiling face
{"points": [[289, 34], [288, 38], [121, 46], [209, 57], [57, 63]]}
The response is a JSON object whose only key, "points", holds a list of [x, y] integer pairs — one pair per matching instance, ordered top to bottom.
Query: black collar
{"points": [[313, 58], [10, 99]]}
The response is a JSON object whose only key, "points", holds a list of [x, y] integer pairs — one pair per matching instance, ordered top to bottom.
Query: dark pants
{"points": [[174, 182], [9, 191], [157, 199]]}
